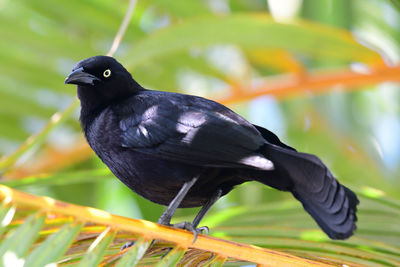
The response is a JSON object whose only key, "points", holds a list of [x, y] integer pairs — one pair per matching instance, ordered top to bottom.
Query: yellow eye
{"points": [[107, 73]]}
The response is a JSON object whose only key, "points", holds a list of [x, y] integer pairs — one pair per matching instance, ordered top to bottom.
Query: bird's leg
{"points": [[206, 208], [165, 218], [193, 226]]}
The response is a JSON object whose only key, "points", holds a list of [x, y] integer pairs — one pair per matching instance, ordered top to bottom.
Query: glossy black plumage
{"points": [[156, 141]]}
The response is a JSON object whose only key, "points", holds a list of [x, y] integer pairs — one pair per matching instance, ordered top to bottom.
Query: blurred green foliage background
{"points": [[208, 48]]}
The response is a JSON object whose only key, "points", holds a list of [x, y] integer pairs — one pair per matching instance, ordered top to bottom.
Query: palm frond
{"points": [[66, 233]]}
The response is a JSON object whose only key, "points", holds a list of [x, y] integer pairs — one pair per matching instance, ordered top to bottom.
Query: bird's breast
{"points": [[156, 179]]}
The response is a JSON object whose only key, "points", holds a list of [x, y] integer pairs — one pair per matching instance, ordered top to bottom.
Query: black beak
{"points": [[80, 77]]}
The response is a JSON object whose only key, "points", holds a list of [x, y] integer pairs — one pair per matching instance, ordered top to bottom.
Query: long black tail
{"points": [[332, 205]]}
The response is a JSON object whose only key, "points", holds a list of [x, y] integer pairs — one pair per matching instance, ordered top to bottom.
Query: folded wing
{"points": [[196, 131]]}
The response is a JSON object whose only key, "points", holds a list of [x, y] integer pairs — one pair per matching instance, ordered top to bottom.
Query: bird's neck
{"points": [[95, 100], [91, 103], [87, 116]]}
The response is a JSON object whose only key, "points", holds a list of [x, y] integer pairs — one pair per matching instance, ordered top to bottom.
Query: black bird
{"points": [[188, 151]]}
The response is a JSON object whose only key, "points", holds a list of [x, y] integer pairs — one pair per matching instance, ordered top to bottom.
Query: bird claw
{"points": [[188, 226], [127, 245]]}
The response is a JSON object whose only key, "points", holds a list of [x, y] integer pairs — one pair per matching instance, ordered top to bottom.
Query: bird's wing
{"points": [[191, 130], [271, 137]]}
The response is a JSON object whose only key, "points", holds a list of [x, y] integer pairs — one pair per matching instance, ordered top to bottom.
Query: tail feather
{"points": [[332, 205]]}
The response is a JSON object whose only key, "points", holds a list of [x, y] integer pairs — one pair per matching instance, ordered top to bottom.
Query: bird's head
{"points": [[101, 80]]}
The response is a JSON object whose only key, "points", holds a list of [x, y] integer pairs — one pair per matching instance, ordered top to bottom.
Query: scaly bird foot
{"points": [[189, 226], [127, 245]]}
